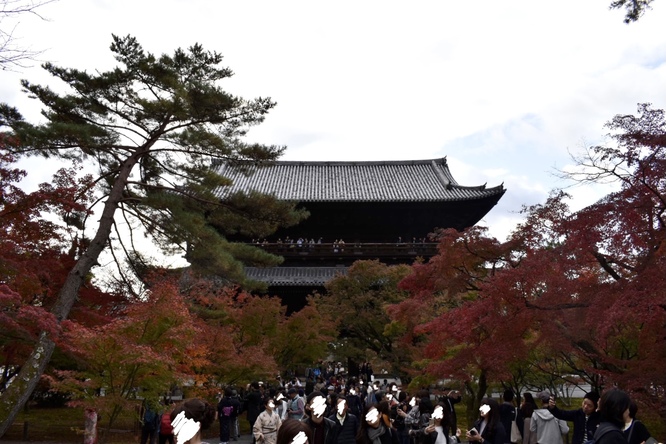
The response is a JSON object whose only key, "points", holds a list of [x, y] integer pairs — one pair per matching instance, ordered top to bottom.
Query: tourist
{"points": [[254, 402], [296, 405], [526, 409], [227, 411], [508, 414], [613, 415], [190, 418], [585, 419], [267, 424], [347, 424], [165, 428], [488, 428], [548, 428], [435, 429], [324, 430], [373, 430], [293, 431], [635, 431]]}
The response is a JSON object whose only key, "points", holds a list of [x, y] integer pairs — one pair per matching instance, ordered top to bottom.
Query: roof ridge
{"points": [[440, 160]]}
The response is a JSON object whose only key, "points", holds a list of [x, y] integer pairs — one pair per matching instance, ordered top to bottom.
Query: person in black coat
{"points": [[450, 399], [255, 402], [509, 414], [613, 414], [585, 419], [347, 423], [434, 427], [488, 427], [373, 429], [324, 430], [636, 432]]}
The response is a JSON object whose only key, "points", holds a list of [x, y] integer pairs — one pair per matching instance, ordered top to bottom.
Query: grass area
{"points": [[65, 425]]}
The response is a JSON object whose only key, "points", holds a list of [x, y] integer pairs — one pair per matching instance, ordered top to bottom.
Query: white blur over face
{"points": [[412, 402], [318, 406], [341, 407], [484, 409], [438, 413], [372, 417], [300, 438]]}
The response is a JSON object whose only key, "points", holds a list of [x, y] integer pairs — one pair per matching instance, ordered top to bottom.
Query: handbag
{"points": [[515, 431]]}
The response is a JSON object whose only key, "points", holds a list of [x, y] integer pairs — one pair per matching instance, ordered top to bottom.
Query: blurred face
{"points": [[270, 405], [342, 407], [588, 407], [317, 408], [484, 410], [438, 414], [372, 418], [300, 438]]}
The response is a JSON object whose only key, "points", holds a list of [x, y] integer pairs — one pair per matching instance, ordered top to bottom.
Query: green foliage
{"points": [[357, 303], [303, 337]]}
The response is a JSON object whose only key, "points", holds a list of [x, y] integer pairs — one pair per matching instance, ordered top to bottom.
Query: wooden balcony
{"points": [[355, 251]]}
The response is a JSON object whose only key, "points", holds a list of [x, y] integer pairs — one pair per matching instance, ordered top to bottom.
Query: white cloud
{"points": [[504, 90]]}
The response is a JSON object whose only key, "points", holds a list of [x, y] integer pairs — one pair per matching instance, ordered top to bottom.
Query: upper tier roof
{"points": [[385, 181]]}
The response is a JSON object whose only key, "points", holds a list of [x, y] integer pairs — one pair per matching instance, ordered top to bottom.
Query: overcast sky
{"points": [[504, 90]]}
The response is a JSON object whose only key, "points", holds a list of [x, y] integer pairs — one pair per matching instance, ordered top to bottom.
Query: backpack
{"points": [[150, 420], [602, 430]]}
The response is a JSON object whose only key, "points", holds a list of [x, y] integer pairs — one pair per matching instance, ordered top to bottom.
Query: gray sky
{"points": [[504, 90]]}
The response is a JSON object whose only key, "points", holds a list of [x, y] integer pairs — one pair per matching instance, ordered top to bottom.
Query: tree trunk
{"points": [[20, 389], [477, 392]]}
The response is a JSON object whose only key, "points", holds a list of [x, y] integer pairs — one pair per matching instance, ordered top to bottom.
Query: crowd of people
{"points": [[337, 244], [356, 411]]}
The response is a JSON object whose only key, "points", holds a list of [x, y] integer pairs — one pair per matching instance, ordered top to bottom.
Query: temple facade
{"points": [[358, 210]]}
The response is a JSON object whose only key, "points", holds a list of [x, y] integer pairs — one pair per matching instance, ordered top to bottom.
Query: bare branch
{"points": [[12, 54]]}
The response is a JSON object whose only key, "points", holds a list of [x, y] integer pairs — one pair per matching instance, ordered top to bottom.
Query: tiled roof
{"points": [[387, 181], [281, 276]]}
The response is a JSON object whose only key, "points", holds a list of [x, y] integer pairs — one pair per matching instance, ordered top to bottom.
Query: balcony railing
{"points": [[360, 250]]}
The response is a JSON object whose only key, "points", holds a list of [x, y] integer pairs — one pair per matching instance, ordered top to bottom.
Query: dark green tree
{"points": [[152, 127], [357, 303]]}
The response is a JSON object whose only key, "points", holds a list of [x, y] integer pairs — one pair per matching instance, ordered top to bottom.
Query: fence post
{"points": [[25, 431]]}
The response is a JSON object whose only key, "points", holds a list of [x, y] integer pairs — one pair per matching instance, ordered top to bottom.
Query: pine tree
{"points": [[152, 128]]}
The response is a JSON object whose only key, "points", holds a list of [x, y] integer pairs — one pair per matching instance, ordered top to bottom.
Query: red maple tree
{"points": [[584, 289]]}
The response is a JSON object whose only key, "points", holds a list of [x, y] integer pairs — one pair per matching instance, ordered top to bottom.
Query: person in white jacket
{"points": [[548, 429]]}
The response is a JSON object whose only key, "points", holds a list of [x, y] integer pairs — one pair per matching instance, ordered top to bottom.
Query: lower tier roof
{"points": [[294, 276]]}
